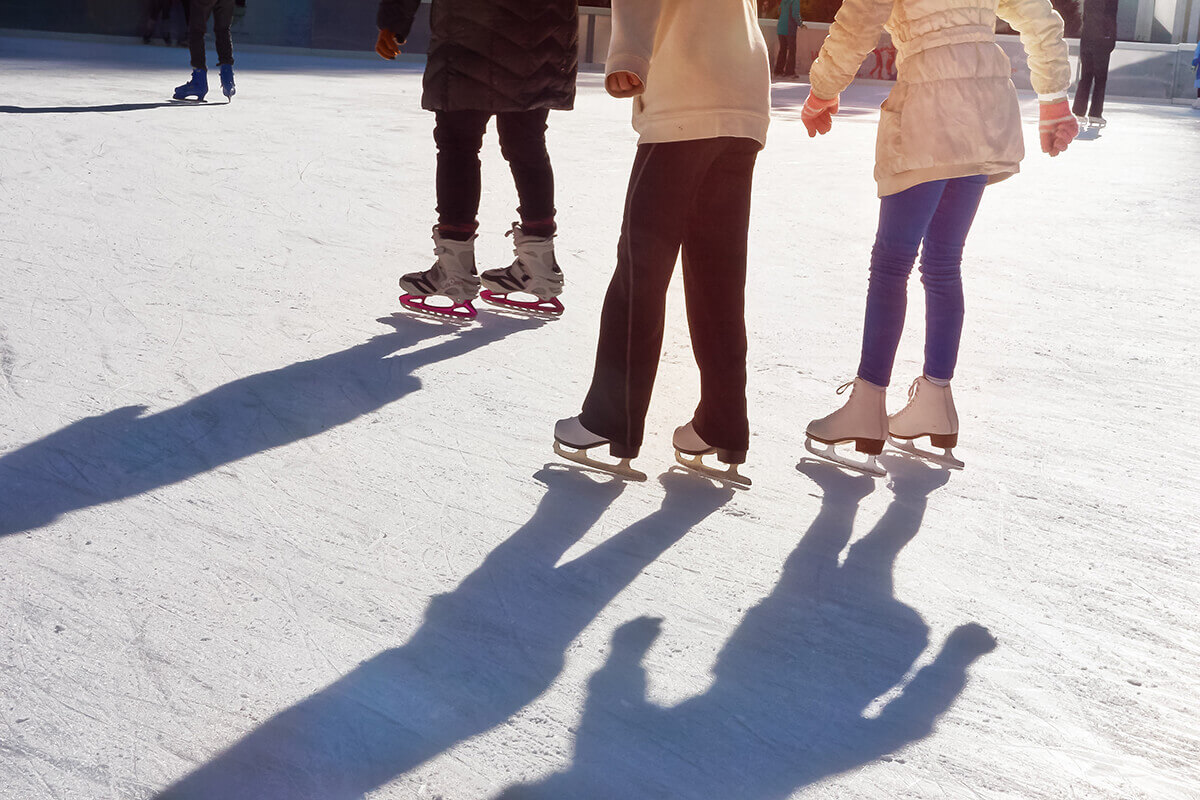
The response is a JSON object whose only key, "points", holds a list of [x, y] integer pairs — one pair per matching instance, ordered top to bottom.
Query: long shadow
{"points": [[103, 109], [123, 453], [484, 651], [815, 681]]}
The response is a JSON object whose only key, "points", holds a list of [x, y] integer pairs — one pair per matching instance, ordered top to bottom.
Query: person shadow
{"points": [[103, 109], [126, 452], [482, 653], [819, 678]]}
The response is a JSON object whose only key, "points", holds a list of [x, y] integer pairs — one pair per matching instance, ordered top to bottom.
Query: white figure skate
{"points": [[930, 412], [862, 420], [573, 442], [690, 450]]}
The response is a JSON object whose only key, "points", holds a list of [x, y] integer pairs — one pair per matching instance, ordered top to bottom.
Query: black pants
{"points": [[222, 13], [785, 62], [1093, 77], [459, 136], [694, 195]]}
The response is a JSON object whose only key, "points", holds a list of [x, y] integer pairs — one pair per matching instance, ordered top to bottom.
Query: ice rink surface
{"points": [[261, 536]]}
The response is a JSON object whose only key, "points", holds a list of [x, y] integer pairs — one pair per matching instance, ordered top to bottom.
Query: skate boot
{"points": [[227, 86], [197, 87], [1097, 122], [534, 272], [452, 276], [930, 412], [862, 420], [572, 441], [690, 450]]}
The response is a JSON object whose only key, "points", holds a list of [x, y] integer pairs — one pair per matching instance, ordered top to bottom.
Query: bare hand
{"points": [[387, 45], [624, 84]]}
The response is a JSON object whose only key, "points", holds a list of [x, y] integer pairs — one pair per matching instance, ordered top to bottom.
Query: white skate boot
{"points": [[534, 272], [452, 276], [930, 412], [862, 420], [572, 441], [690, 450]]}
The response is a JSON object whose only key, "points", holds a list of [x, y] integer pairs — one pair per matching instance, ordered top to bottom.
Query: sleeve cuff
{"points": [[627, 62]]}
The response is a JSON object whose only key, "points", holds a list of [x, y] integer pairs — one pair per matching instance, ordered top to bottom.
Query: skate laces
{"points": [[842, 389]]}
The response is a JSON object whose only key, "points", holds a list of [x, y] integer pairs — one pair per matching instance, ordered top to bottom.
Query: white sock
{"points": [[937, 381]]}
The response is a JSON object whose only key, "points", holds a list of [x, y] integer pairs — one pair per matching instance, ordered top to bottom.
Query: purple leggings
{"points": [[934, 217]]}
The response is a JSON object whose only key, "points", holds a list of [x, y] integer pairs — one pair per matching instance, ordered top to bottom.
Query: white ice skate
{"points": [[1097, 122], [534, 272], [452, 276], [930, 412], [862, 420], [572, 441], [690, 450]]}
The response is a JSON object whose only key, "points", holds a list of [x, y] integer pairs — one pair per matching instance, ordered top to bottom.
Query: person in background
{"points": [[221, 12], [788, 28], [1097, 40], [490, 58], [1196, 66], [950, 126]]}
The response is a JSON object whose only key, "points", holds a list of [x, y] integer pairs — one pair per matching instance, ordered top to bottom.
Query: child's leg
{"points": [[222, 20], [458, 135], [523, 143], [662, 188], [903, 220], [941, 273], [714, 282]]}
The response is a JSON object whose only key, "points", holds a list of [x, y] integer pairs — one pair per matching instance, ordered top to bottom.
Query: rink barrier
{"points": [[1138, 70]]}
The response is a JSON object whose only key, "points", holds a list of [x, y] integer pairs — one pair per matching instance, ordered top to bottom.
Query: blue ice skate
{"points": [[227, 86], [197, 87]]}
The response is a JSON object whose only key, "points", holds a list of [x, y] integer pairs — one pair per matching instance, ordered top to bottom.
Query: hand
{"points": [[387, 45], [624, 84], [817, 114], [1057, 126]]}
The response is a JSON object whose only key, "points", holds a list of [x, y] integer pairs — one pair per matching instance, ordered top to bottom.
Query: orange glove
{"points": [[387, 45], [817, 114], [1057, 126]]}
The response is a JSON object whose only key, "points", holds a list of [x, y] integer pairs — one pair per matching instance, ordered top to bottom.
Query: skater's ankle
{"points": [[541, 228], [457, 233], [937, 381], [866, 384]]}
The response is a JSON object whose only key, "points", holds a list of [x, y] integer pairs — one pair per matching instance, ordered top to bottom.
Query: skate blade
{"points": [[188, 101], [550, 308], [459, 312], [829, 452], [580, 456], [945, 459], [695, 463]]}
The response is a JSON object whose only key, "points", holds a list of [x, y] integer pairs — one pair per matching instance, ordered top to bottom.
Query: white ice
{"points": [[263, 537]]}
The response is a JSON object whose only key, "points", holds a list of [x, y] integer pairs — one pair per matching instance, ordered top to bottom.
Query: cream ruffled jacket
{"points": [[704, 63], [953, 111]]}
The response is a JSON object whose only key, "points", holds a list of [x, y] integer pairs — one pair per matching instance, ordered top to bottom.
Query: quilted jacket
{"points": [[494, 55], [953, 111]]}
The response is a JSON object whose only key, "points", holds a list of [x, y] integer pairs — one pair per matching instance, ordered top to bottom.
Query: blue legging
{"points": [[939, 215]]}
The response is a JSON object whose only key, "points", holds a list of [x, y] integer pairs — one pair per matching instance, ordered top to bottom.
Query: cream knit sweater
{"points": [[704, 65]]}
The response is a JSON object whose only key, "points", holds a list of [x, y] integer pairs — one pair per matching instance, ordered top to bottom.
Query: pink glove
{"points": [[817, 114], [1057, 126]]}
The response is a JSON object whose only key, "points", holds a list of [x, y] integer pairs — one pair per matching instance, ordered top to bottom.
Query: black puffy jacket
{"points": [[494, 55]]}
